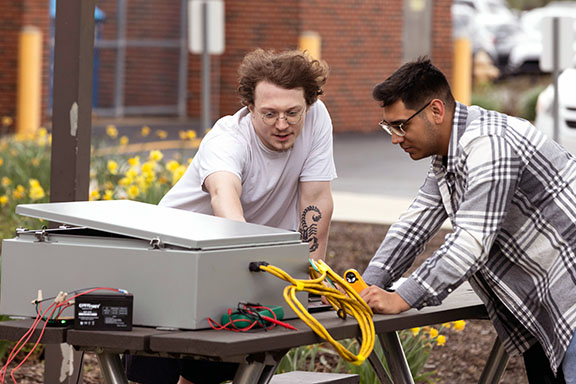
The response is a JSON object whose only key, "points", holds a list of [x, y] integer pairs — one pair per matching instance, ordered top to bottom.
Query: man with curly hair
{"points": [[271, 163]]}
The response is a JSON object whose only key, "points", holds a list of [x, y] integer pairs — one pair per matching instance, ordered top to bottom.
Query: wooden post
{"points": [[72, 106]]}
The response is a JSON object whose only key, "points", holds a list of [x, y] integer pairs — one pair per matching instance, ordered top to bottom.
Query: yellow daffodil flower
{"points": [[111, 131], [145, 131], [162, 134], [191, 134], [183, 135], [124, 141], [155, 155], [1, 161], [134, 161], [172, 165], [112, 167], [132, 173], [177, 174], [6, 181], [33, 183], [36, 192], [133, 192], [18, 193], [108, 194], [94, 195], [3, 200], [459, 325], [415, 331], [433, 333], [441, 340]]}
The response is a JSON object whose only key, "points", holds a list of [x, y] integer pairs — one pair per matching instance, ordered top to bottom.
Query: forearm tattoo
{"points": [[309, 233]]}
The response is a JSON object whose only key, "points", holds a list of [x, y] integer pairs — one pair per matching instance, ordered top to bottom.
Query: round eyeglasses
{"points": [[291, 117], [398, 128]]}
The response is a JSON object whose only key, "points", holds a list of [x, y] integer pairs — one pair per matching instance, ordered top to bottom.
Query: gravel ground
{"points": [[460, 360]]}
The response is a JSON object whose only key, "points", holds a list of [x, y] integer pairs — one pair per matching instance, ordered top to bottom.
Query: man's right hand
{"points": [[384, 302]]}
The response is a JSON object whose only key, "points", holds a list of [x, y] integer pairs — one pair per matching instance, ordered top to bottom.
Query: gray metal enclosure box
{"points": [[181, 267]]}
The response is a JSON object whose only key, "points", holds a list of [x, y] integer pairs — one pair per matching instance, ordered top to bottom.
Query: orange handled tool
{"points": [[353, 278]]}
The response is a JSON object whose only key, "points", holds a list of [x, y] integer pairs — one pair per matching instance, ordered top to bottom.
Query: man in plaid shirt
{"points": [[510, 194]]}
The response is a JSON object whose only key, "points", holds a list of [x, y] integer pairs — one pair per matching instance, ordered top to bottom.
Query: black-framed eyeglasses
{"points": [[292, 117], [398, 128]]}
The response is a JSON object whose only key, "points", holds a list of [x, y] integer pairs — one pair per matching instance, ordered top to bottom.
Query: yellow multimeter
{"points": [[353, 278]]}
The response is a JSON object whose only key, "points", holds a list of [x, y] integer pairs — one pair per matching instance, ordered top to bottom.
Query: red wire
{"points": [[41, 315], [231, 326], [22, 342], [33, 348]]}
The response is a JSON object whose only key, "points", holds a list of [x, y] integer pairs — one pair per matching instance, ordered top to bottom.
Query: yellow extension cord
{"points": [[348, 302]]}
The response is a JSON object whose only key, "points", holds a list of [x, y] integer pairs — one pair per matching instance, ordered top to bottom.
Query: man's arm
{"points": [[225, 189], [316, 207]]}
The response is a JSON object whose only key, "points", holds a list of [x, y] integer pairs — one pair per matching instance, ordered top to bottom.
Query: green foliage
{"points": [[486, 101], [528, 103], [25, 177], [417, 344]]}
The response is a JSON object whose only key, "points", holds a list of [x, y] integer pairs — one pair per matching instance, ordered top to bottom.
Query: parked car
{"points": [[500, 22], [465, 25], [525, 55], [567, 110]]}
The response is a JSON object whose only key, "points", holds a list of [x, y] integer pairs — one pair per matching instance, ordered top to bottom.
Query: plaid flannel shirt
{"points": [[510, 194]]}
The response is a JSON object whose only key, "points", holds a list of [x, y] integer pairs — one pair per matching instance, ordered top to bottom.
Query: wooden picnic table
{"points": [[258, 352]]}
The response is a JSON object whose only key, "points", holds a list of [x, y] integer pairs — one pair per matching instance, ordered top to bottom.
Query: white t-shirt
{"points": [[270, 179]]}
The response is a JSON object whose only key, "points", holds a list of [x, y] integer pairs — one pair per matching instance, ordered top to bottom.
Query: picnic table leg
{"points": [[397, 363], [63, 364], [496, 364], [378, 366], [112, 368], [259, 369]]}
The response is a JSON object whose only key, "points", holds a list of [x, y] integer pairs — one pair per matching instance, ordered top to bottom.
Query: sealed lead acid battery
{"points": [[103, 312]]}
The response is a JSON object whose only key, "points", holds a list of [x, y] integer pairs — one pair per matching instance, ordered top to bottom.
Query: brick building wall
{"points": [[14, 16], [361, 42]]}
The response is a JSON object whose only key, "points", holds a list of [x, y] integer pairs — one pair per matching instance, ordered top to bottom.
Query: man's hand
{"points": [[384, 302]]}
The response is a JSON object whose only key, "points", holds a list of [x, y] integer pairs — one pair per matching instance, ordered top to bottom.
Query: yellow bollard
{"points": [[312, 42], [462, 78], [29, 81]]}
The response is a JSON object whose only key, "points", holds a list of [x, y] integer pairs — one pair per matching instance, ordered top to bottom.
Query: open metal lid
{"points": [[149, 221]]}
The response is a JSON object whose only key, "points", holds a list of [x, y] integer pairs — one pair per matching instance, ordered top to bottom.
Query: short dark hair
{"points": [[288, 69], [415, 83]]}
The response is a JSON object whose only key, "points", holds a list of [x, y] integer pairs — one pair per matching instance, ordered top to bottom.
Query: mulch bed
{"points": [[352, 245]]}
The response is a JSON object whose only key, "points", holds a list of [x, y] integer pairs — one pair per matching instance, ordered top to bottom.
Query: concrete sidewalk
{"points": [[368, 208]]}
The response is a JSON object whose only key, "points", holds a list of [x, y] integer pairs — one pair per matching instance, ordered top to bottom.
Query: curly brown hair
{"points": [[287, 69]]}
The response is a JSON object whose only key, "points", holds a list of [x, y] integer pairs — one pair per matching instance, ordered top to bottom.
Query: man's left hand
{"points": [[384, 302]]}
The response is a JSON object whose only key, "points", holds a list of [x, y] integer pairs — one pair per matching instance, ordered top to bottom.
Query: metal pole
{"points": [[120, 59], [183, 61], [556, 71], [206, 120], [394, 354], [495, 365], [112, 368]]}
